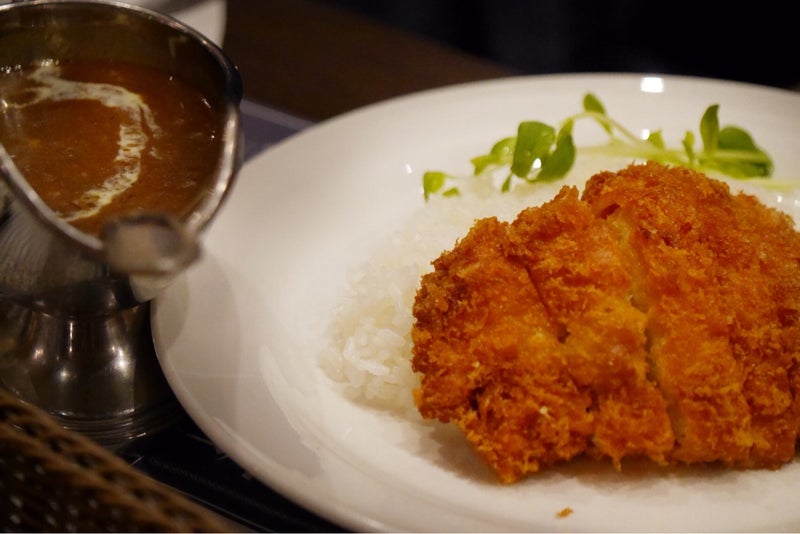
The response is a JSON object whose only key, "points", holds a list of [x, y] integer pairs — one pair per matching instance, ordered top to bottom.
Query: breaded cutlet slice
{"points": [[718, 276], [656, 316], [526, 339]]}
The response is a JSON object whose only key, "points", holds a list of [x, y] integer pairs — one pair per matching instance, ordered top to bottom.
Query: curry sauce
{"points": [[97, 139]]}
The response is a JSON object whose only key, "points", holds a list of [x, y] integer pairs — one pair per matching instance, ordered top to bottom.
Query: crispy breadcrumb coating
{"points": [[654, 316]]}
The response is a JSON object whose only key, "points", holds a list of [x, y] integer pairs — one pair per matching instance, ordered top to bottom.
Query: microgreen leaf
{"points": [[592, 104], [709, 129], [734, 138], [656, 139], [534, 140], [688, 146], [500, 154], [738, 155], [561, 160], [482, 163], [432, 182], [452, 192]]}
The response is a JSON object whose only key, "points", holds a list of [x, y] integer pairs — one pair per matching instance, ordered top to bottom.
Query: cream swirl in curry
{"points": [[97, 139]]}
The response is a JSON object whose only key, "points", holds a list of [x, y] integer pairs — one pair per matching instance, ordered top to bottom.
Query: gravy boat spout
{"points": [[47, 264]]}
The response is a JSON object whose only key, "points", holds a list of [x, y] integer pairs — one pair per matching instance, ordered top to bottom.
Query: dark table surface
{"points": [[301, 62]]}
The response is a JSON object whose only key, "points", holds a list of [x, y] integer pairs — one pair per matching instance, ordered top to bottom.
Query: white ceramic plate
{"points": [[235, 334]]}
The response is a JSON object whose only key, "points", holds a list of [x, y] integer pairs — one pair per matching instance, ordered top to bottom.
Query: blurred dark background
{"points": [[753, 42], [320, 58]]}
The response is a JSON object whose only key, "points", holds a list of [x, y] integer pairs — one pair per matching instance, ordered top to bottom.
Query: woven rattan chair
{"points": [[55, 480]]}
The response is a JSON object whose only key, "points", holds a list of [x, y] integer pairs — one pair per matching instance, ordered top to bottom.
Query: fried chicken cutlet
{"points": [[655, 315]]}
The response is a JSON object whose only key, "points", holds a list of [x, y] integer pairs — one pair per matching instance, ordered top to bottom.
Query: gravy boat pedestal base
{"points": [[98, 376]]}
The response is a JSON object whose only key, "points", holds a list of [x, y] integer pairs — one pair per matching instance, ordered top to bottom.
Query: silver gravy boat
{"points": [[75, 335]]}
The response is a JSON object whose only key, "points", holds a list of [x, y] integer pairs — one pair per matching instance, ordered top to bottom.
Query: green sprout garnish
{"points": [[540, 152], [435, 181]]}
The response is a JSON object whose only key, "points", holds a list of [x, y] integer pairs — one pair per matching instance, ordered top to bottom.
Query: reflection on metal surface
{"points": [[98, 376]]}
